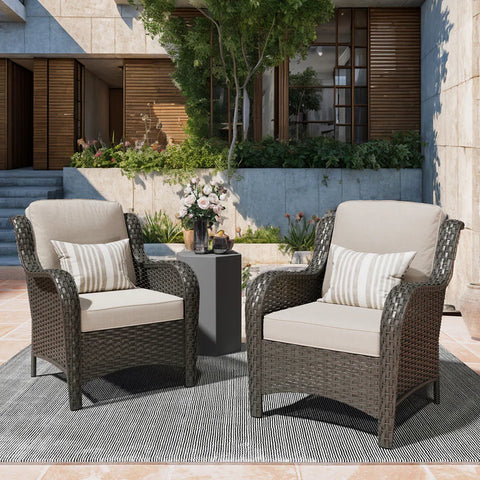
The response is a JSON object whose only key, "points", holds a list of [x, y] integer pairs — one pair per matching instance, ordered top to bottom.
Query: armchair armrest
{"points": [[169, 276], [53, 295]]}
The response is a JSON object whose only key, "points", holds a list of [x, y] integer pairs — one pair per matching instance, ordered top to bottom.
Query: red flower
{"points": [[287, 215]]}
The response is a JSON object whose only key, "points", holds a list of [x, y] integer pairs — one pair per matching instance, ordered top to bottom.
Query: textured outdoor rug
{"points": [[142, 415]]}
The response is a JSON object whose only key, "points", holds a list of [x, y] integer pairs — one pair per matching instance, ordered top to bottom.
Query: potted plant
{"points": [[201, 209], [300, 238]]}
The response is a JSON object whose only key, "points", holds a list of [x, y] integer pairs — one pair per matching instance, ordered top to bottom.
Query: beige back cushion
{"points": [[76, 221], [388, 226]]}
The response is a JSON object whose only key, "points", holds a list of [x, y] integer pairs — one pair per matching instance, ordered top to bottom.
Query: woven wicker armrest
{"points": [[171, 276], [43, 282], [277, 290]]}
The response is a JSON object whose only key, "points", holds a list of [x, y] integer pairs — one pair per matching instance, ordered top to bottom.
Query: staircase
{"points": [[19, 188]]}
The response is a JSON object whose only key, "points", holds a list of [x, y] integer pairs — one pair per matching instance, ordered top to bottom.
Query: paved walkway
{"points": [[15, 335]]}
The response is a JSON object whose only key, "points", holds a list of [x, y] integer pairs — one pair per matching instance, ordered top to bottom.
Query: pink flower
{"points": [[127, 143], [98, 154], [207, 189], [213, 198], [190, 200], [203, 203], [183, 212], [297, 217], [218, 219]]}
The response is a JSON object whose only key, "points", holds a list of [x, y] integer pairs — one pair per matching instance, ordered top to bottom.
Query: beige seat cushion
{"points": [[76, 221], [388, 226], [126, 308], [329, 326]]}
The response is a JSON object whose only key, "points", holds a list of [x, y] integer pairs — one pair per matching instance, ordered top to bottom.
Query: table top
{"points": [[190, 254]]}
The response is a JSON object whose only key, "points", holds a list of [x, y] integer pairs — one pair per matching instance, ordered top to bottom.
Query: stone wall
{"points": [[67, 27], [450, 123], [259, 197]]}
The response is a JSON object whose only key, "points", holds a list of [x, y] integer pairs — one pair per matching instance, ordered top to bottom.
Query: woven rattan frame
{"points": [[55, 311], [409, 338]]}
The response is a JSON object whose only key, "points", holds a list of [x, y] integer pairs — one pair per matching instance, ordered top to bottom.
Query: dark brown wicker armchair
{"points": [[56, 311], [409, 336]]}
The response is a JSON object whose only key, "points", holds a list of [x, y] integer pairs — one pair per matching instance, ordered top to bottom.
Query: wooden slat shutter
{"points": [[394, 69], [149, 82], [61, 111], [40, 113], [3, 114]]}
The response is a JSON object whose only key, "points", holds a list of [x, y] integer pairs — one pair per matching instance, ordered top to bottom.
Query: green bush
{"points": [[403, 150], [191, 154], [160, 228], [261, 235]]}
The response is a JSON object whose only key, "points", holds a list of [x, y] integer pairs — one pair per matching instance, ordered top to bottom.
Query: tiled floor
{"points": [[15, 335]]}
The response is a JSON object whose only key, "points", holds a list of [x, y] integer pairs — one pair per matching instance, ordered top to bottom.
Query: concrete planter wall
{"points": [[258, 196]]}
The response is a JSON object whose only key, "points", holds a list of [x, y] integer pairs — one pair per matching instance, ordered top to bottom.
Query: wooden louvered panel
{"points": [[394, 70], [149, 82], [61, 110], [40, 113], [3, 114]]}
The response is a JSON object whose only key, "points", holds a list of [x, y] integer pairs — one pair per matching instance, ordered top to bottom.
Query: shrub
{"points": [[403, 150], [191, 154], [160, 228], [261, 235]]}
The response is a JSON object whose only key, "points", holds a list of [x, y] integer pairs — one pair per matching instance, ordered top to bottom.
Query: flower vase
{"points": [[200, 236]]}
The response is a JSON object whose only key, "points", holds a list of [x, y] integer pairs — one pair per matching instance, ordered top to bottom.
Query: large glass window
{"points": [[328, 90]]}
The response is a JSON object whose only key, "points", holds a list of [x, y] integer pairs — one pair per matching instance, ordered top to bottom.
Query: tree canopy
{"points": [[242, 37]]}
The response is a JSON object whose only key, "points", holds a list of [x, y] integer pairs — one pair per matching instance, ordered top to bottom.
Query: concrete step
{"points": [[30, 172], [31, 181], [31, 192], [16, 202], [6, 213], [7, 235], [8, 249], [9, 261]]}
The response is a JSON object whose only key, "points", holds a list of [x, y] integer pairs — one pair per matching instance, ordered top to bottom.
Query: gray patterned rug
{"points": [[142, 415]]}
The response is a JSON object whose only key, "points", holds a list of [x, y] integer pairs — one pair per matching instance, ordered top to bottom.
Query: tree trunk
{"points": [[246, 113], [234, 125]]}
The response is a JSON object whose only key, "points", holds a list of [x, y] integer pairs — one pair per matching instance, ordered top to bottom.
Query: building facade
{"points": [[71, 70], [87, 70]]}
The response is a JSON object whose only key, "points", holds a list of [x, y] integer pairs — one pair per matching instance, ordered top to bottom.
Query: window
{"points": [[328, 90]]}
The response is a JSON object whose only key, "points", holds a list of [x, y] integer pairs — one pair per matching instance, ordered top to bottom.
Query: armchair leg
{"points": [[33, 366], [190, 375], [436, 392], [74, 394], [256, 409], [386, 420], [385, 433]]}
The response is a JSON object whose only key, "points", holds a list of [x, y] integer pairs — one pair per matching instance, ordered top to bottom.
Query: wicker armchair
{"points": [[56, 306], [409, 328]]}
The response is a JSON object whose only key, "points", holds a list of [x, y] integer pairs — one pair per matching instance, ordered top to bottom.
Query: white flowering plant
{"points": [[202, 201]]}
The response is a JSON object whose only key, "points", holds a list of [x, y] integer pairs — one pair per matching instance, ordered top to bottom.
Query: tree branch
{"points": [[220, 40]]}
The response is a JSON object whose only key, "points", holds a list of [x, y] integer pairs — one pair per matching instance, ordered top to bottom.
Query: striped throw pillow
{"points": [[95, 267], [362, 279]]}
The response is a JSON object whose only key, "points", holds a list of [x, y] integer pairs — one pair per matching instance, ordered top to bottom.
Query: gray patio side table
{"points": [[219, 322]]}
